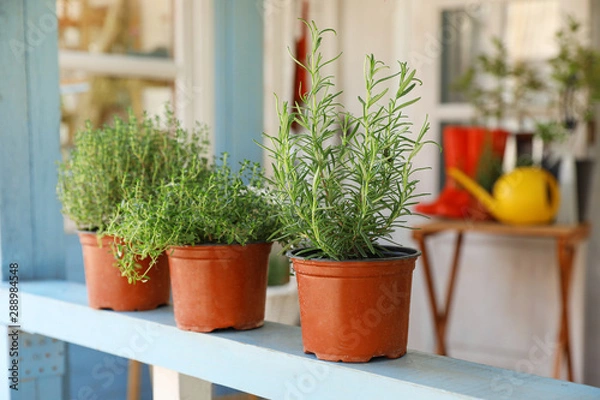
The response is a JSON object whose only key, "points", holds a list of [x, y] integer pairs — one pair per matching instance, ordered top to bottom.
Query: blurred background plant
{"points": [[575, 75], [496, 88]]}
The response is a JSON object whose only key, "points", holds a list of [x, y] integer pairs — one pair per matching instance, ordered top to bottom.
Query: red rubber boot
{"points": [[479, 139], [452, 200], [464, 205]]}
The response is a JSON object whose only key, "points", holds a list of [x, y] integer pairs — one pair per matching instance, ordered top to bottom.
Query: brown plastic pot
{"points": [[219, 286], [107, 289], [355, 310]]}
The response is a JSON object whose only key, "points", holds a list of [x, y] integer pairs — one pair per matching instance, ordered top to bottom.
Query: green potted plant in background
{"points": [[575, 73], [576, 78], [552, 134], [92, 183], [340, 195], [214, 228]]}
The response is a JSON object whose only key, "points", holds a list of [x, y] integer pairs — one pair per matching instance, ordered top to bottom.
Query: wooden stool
{"points": [[567, 237]]}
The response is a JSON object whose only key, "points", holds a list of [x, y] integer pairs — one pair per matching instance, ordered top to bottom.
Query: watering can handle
{"points": [[553, 193]]}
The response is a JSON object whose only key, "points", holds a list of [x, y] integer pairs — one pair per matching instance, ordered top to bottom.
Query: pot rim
{"points": [[87, 232], [192, 246], [402, 251]]}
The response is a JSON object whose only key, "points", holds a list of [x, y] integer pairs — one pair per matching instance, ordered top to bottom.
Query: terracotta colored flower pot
{"points": [[219, 286], [106, 287], [355, 310]]}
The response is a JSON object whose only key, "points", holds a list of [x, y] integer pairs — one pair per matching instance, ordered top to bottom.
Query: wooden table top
{"points": [[571, 232]]}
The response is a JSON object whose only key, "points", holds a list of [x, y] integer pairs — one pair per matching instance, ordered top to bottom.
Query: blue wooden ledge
{"points": [[269, 361]]}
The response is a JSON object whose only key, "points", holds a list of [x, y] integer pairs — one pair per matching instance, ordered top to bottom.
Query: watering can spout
{"points": [[474, 188]]}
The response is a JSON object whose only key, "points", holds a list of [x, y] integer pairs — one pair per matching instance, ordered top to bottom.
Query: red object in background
{"points": [[301, 82], [479, 138], [463, 147], [453, 201]]}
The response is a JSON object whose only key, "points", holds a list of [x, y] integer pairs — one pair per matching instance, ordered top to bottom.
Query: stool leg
{"points": [[565, 260], [452, 279], [440, 317], [440, 347], [134, 380]]}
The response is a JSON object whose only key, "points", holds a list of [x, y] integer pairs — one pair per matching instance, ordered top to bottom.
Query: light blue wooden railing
{"points": [[268, 361]]}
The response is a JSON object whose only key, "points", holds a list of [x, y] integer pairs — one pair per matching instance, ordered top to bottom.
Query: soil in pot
{"points": [[219, 286], [107, 289], [355, 310]]}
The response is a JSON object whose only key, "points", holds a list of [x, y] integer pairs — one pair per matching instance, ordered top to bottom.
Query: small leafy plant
{"points": [[576, 75], [551, 132], [108, 161], [345, 181], [195, 207]]}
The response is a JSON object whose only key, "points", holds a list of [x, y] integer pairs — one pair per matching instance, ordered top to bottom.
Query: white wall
{"points": [[507, 299], [592, 315]]}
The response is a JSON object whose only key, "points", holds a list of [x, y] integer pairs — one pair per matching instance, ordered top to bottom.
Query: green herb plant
{"points": [[106, 162], [341, 196], [195, 207]]}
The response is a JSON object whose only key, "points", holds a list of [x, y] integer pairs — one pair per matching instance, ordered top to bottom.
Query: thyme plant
{"points": [[107, 161], [345, 181], [195, 207]]}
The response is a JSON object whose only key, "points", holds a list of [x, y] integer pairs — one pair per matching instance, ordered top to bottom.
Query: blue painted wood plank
{"points": [[238, 79], [44, 139], [15, 195], [30, 222], [74, 259], [269, 361], [5, 362], [94, 373], [50, 384], [27, 391]]}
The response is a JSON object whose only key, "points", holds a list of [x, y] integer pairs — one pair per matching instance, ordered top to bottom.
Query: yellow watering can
{"points": [[525, 196]]}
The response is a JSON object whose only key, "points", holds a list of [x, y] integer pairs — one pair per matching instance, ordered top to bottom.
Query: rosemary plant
{"points": [[107, 161], [345, 181], [194, 208]]}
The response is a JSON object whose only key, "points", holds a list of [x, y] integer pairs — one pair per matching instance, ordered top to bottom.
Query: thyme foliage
{"points": [[107, 161], [346, 181], [218, 206]]}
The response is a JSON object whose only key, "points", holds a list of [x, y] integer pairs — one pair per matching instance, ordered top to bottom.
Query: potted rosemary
{"points": [[93, 181], [344, 183], [214, 227]]}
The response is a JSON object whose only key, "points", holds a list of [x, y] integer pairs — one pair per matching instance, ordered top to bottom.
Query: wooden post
{"points": [[238, 79], [31, 228], [592, 296], [170, 385]]}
